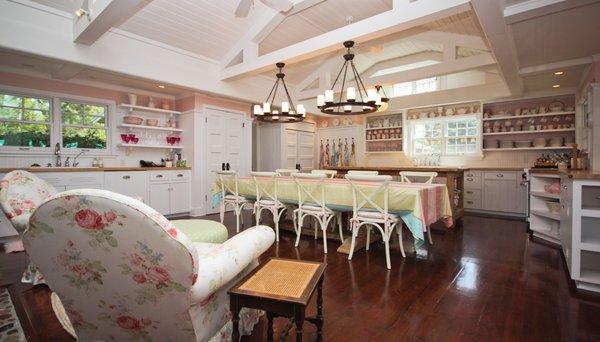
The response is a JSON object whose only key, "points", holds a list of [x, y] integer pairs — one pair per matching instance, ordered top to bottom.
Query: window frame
{"points": [[413, 87], [56, 124], [107, 127], [444, 137]]}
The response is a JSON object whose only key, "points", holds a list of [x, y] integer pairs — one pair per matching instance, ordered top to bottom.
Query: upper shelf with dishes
{"points": [[447, 110], [544, 123], [383, 133]]}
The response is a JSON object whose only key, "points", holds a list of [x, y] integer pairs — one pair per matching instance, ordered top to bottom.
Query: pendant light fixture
{"points": [[382, 99], [358, 100], [267, 111]]}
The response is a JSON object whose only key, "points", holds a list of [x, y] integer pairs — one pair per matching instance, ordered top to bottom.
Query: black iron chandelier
{"points": [[358, 99], [286, 112]]}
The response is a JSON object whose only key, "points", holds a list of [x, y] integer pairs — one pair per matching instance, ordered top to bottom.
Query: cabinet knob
{"points": [[179, 175], [500, 175], [159, 176], [126, 177], [470, 179], [469, 192], [470, 202]]}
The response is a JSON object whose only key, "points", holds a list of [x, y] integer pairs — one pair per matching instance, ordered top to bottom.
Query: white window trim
{"points": [[413, 85], [444, 120], [56, 135]]}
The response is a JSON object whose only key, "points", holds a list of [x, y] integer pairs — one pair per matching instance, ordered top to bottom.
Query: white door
{"points": [[229, 140], [291, 148], [306, 154], [160, 198], [180, 198]]}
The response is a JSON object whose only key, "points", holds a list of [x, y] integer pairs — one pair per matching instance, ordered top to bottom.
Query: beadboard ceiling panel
{"points": [[61, 5], [326, 16], [462, 23], [204, 27], [559, 36], [545, 81]]}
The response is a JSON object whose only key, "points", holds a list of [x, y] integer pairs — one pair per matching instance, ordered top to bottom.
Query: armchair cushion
{"points": [[202, 230]]}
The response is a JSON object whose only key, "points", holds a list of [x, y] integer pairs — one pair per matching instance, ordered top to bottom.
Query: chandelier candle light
{"points": [[358, 100], [286, 112]]}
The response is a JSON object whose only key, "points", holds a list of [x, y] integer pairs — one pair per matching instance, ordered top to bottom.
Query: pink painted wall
{"points": [[57, 86]]}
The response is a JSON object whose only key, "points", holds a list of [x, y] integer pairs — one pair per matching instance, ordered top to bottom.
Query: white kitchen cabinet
{"points": [[285, 145], [129, 183], [169, 191], [501, 192], [160, 197]]}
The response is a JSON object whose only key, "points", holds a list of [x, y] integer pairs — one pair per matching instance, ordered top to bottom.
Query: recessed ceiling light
{"points": [[559, 73], [161, 86], [556, 86]]}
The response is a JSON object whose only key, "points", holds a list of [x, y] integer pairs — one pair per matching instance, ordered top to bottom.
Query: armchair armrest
{"points": [[229, 259]]}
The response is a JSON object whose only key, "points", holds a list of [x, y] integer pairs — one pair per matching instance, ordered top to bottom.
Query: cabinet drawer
{"points": [[472, 174], [183, 175], [501, 175], [158, 176], [84, 178], [473, 183], [133, 184], [472, 194], [474, 203]]}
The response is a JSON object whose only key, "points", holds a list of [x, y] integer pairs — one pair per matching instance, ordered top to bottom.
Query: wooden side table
{"points": [[281, 287]]}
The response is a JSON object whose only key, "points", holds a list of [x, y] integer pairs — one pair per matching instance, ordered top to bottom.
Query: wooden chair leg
{"points": [[298, 218], [339, 222], [323, 223], [354, 233], [429, 235], [368, 238], [400, 241]]}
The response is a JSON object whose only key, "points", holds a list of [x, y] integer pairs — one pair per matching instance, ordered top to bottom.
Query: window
{"points": [[416, 87], [25, 121], [37, 123], [83, 125], [446, 136]]}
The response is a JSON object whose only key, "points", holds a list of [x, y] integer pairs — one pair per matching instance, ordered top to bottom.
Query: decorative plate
{"points": [[348, 121], [336, 122], [324, 123]]}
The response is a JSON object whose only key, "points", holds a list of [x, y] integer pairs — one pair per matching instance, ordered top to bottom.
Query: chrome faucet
{"points": [[57, 154], [75, 162], [67, 163]]}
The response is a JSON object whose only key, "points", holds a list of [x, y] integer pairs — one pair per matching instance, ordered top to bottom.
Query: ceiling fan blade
{"points": [[279, 5], [243, 8]]}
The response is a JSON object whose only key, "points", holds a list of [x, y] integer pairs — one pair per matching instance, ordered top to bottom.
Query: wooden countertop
{"points": [[92, 169], [393, 169], [496, 169], [575, 174]]}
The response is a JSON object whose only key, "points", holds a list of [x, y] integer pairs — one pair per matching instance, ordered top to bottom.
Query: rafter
{"points": [[536, 8], [102, 16], [402, 16], [247, 46], [538, 69]]}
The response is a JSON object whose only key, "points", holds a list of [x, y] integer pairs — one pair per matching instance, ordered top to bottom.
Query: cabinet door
{"points": [[499, 195], [160, 198], [180, 198], [566, 218]]}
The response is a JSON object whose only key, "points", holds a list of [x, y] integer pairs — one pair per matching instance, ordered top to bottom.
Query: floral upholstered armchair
{"points": [[20, 194], [124, 272]]}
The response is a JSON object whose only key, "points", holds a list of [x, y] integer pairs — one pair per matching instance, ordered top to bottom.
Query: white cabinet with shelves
{"points": [[383, 133]]}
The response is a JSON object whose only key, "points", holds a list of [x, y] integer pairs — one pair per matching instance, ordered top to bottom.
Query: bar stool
{"points": [[405, 177]]}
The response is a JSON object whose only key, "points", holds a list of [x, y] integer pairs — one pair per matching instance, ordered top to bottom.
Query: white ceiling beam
{"points": [[279, 5], [537, 8], [102, 16], [402, 16], [263, 26], [500, 39], [403, 60], [445, 68], [539, 69], [67, 71]]}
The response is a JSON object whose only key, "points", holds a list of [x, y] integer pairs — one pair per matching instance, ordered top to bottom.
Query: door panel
{"points": [[291, 149], [306, 154], [160, 198], [180, 198]]}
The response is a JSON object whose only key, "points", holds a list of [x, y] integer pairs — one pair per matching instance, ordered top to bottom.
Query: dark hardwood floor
{"points": [[486, 281]]}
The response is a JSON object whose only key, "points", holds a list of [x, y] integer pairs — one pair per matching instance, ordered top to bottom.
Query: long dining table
{"points": [[419, 205]]}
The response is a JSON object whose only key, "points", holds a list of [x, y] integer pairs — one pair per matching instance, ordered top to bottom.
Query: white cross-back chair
{"points": [[286, 172], [363, 172], [328, 173], [405, 177], [368, 193], [231, 197], [266, 197], [311, 202]]}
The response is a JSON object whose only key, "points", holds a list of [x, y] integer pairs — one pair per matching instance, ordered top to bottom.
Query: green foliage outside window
{"points": [[24, 121], [84, 125]]}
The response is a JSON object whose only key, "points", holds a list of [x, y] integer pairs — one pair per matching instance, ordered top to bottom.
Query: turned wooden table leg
{"points": [[235, 318], [299, 318], [320, 319], [269, 326]]}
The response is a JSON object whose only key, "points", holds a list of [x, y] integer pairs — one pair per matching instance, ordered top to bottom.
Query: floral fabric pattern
{"points": [[21, 192], [126, 273]]}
